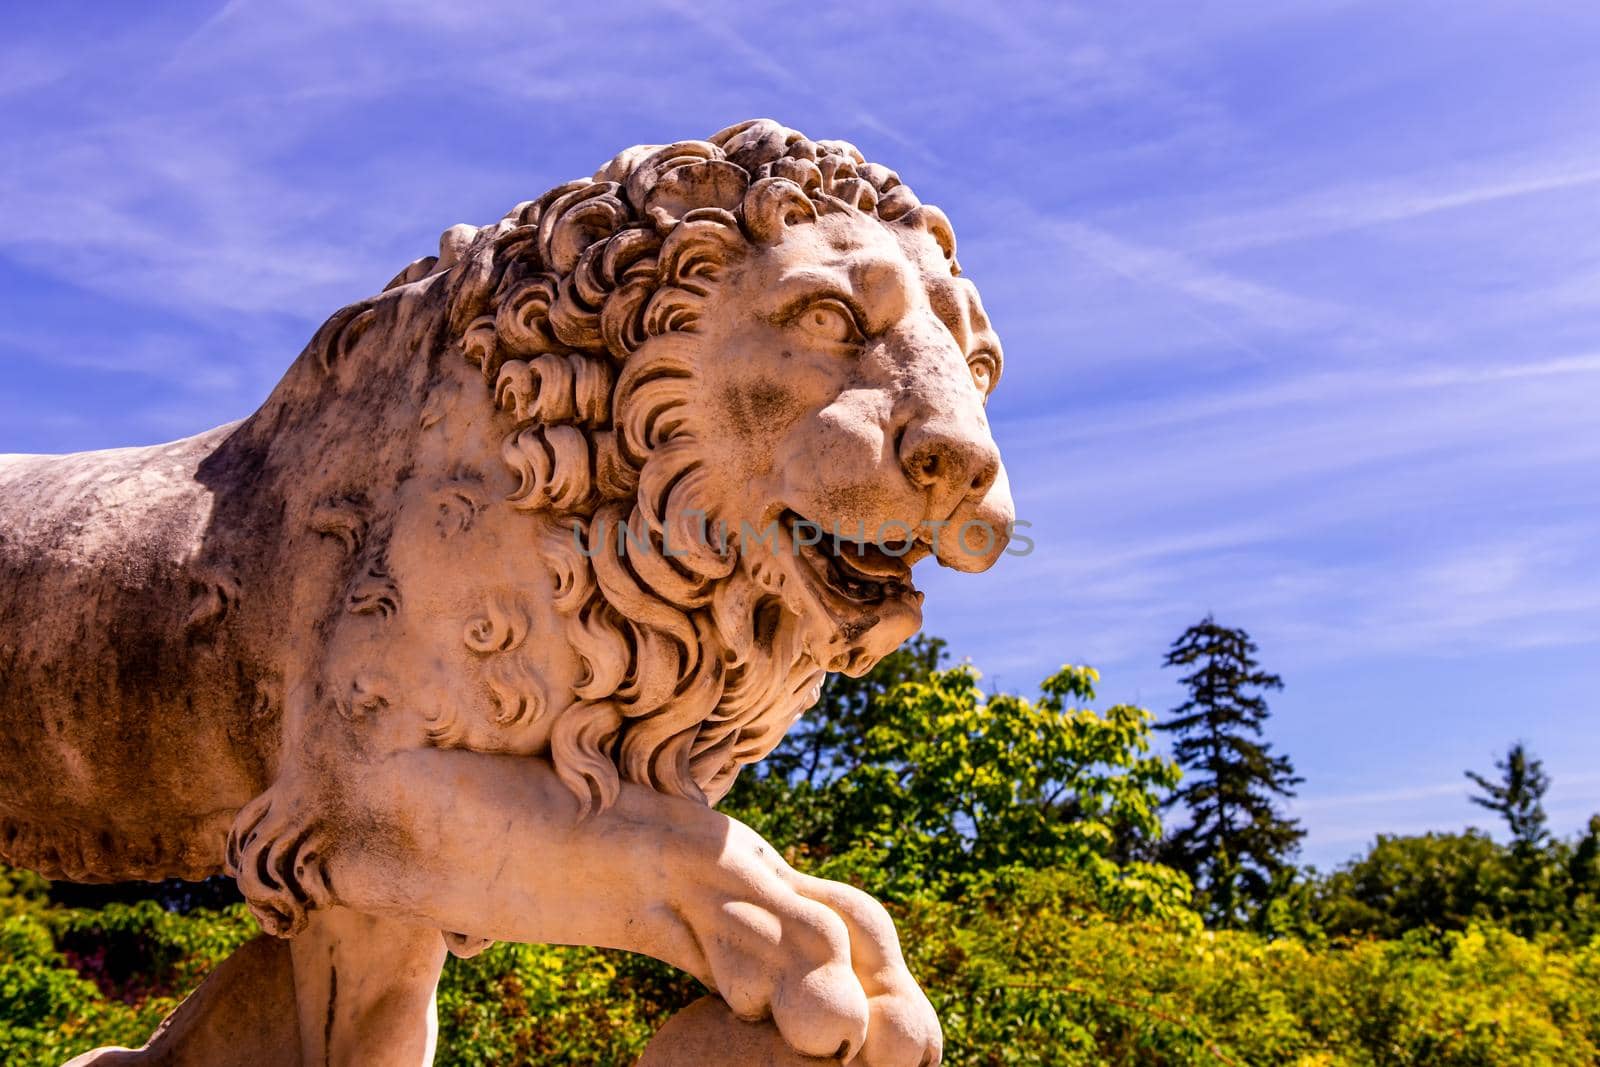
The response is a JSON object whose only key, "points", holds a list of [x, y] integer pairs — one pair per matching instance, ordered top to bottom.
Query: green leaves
{"points": [[941, 787], [1025, 968], [1022, 973], [74, 978]]}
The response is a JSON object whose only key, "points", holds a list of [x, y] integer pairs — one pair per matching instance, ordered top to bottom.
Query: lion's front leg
{"points": [[494, 846]]}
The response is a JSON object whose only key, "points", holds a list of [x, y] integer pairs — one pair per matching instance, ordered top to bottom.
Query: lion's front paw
{"points": [[274, 857], [789, 958], [822, 960], [902, 1028]]}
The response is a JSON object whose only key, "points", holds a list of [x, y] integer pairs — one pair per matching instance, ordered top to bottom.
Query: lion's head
{"points": [[741, 384]]}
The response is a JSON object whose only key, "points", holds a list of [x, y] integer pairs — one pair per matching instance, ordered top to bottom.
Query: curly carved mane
{"points": [[580, 309]]}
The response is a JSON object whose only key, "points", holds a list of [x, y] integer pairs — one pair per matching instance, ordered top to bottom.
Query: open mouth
{"points": [[861, 571]]}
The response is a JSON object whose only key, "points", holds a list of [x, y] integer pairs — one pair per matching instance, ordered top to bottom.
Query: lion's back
{"points": [[114, 761]]}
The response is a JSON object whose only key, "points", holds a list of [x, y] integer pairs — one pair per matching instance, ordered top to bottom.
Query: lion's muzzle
{"points": [[969, 511], [978, 530]]}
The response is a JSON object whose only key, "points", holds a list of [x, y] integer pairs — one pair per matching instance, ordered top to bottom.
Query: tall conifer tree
{"points": [[1518, 798], [1236, 844]]}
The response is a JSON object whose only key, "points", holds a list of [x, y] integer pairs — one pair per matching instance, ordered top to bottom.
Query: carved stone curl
{"points": [[461, 636]]}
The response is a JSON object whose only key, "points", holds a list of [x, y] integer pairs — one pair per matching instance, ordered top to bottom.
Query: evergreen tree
{"points": [[1518, 797], [1237, 844], [1584, 868], [1583, 885], [1535, 901]]}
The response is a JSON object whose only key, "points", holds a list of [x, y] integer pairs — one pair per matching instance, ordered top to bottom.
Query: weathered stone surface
{"points": [[467, 628], [243, 1015], [707, 1032]]}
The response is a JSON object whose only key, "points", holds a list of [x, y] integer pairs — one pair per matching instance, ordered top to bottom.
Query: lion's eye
{"points": [[830, 321], [984, 368]]}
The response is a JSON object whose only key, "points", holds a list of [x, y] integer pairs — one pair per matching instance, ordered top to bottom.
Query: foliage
{"points": [[940, 787], [1518, 798], [1007, 835], [1236, 844], [1583, 874], [1436, 881], [1442, 882], [1537, 886], [1025, 970], [74, 978], [1018, 979], [528, 1004]]}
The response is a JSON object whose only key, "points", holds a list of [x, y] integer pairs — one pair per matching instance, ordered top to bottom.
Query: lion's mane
{"points": [[580, 308]]}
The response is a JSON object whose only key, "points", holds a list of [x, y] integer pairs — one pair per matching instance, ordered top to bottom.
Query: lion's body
{"points": [[157, 604], [171, 617], [443, 634], [103, 673]]}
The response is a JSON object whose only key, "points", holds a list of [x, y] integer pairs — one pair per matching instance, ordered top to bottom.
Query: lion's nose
{"points": [[955, 465]]}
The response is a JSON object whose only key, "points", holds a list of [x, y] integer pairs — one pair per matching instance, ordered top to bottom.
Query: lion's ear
{"points": [[773, 204], [937, 224]]}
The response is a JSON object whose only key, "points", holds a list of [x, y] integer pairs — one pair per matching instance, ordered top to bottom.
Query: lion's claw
{"points": [[277, 863], [821, 960]]}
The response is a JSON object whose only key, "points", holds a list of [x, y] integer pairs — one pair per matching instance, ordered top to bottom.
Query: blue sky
{"points": [[1301, 302]]}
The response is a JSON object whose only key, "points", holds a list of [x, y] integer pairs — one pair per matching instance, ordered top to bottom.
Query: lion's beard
{"points": [[692, 663], [684, 679]]}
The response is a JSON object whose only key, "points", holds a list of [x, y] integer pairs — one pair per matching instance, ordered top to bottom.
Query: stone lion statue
{"points": [[461, 636]]}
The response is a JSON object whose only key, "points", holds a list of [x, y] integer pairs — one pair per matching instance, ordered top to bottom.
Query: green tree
{"points": [[946, 787], [1518, 797], [1236, 843], [1584, 869], [1436, 881], [1583, 885], [1537, 897], [1020, 973]]}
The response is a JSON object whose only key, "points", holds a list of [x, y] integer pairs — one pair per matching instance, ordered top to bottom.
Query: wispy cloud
{"points": [[25, 69], [1397, 200], [1193, 279], [1324, 389], [1317, 805]]}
